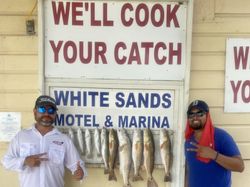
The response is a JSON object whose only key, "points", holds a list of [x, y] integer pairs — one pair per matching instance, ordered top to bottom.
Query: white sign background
{"points": [[110, 36], [237, 80]]}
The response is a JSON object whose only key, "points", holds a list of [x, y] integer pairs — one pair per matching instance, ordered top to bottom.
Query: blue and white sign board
{"points": [[114, 108]]}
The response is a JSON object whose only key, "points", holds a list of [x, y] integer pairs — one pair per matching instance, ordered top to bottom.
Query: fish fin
{"points": [[111, 145], [162, 145], [137, 146], [121, 147], [112, 176], [137, 178], [167, 178], [151, 183]]}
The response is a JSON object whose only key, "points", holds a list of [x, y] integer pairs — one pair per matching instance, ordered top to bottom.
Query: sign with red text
{"points": [[115, 40], [237, 80]]}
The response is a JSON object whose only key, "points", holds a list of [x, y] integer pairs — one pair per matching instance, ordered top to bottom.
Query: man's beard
{"points": [[46, 123], [196, 126]]}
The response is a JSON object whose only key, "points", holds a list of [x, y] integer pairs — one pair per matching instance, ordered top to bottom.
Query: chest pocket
{"points": [[27, 149], [56, 155]]}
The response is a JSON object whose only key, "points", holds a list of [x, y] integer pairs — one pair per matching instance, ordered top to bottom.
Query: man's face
{"points": [[45, 115], [197, 119]]}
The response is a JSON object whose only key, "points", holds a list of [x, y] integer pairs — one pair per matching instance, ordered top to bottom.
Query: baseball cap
{"points": [[45, 100], [199, 104]]}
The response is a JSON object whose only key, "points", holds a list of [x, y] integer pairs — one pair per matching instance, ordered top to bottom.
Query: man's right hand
{"points": [[35, 160]]}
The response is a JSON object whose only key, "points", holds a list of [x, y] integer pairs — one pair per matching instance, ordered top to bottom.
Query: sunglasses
{"points": [[42, 110], [196, 114]]}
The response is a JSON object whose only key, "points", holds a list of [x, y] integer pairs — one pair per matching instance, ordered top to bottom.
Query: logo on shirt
{"points": [[57, 142]]}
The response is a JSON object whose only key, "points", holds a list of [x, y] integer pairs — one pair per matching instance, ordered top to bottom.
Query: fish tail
{"points": [[106, 171], [112, 175], [137, 178], [167, 178], [152, 183], [127, 185]]}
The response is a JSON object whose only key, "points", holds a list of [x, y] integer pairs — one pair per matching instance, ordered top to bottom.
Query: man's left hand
{"points": [[78, 174]]}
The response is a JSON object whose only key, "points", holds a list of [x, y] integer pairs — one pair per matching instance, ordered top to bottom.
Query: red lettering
{"points": [[158, 8], [60, 12], [76, 13], [144, 14], [171, 15], [140, 21], [94, 22], [106, 22], [125, 22], [147, 46], [56, 49], [71, 50], [100, 50], [176, 52], [66, 53], [116, 53], [156, 53], [134, 54], [241, 57], [85, 60], [235, 89], [245, 93]]}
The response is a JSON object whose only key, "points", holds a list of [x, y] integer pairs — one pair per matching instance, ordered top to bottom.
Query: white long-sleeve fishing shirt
{"points": [[60, 150]]}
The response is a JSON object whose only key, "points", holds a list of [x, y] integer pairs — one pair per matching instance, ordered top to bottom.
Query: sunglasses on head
{"points": [[42, 110], [196, 114]]}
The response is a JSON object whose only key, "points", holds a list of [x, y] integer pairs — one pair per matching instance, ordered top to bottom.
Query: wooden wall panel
{"points": [[232, 6], [19, 7], [203, 10], [14, 25], [228, 26], [208, 44], [18, 45], [215, 62], [18, 64], [207, 80], [17, 82], [213, 97], [18, 101], [229, 119], [239, 133], [245, 150], [242, 179]]}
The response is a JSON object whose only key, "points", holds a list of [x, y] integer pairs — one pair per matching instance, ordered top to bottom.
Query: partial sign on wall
{"points": [[115, 40], [237, 80], [10, 124]]}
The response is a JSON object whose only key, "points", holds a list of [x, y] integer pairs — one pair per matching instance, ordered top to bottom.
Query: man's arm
{"points": [[231, 163], [234, 163]]}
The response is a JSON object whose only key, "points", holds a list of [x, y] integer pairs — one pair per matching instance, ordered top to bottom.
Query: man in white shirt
{"points": [[41, 152]]}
